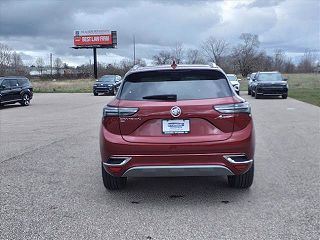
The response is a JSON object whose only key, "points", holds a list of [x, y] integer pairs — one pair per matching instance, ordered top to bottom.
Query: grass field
{"points": [[63, 86], [303, 87]]}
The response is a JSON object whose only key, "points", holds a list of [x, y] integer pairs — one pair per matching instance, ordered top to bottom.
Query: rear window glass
{"points": [[22, 82], [186, 84]]}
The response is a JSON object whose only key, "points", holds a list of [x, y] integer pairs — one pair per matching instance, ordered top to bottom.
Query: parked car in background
{"points": [[250, 80], [234, 82], [269, 83], [107, 84], [15, 89], [178, 120]]}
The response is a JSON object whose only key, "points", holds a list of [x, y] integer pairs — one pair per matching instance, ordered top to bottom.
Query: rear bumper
{"points": [[188, 159], [210, 169], [177, 171]]}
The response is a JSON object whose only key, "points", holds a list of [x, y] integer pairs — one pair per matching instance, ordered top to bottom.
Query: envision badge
{"points": [[175, 111]]}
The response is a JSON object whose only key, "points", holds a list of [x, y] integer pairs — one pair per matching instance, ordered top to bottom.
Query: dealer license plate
{"points": [[175, 126]]}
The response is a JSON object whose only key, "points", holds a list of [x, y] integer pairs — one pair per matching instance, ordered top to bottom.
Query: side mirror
{"points": [[285, 79]]}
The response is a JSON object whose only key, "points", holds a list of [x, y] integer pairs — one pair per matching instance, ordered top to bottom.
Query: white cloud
{"points": [[39, 27]]}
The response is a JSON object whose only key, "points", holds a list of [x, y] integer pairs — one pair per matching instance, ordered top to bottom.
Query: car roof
{"points": [[178, 67]]}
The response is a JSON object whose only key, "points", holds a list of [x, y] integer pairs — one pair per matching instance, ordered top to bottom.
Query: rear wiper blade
{"points": [[171, 97]]}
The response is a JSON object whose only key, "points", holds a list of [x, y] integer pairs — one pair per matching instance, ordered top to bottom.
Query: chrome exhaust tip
{"points": [[238, 159], [115, 161]]}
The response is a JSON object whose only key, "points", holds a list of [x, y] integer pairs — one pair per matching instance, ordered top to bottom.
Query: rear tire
{"points": [[249, 91], [95, 93], [284, 96], [25, 100], [242, 181], [113, 183]]}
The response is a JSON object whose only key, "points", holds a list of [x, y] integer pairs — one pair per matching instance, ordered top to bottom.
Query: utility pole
{"points": [[134, 50], [51, 64]]}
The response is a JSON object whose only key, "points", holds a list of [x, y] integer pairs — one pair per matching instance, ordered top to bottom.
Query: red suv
{"points": [[183, 120]]}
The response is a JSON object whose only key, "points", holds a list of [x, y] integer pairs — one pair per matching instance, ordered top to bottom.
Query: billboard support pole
{"points": [[95, 69]]}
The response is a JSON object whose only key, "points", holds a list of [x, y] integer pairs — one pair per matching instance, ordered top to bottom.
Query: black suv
{"points": [[269, 83], [108, 84], [15, 89]]}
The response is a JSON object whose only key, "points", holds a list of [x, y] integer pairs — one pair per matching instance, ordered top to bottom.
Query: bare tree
{"points": [[214, 49], [178, 52], [245, 54], [163, 57], [194, 57], [5, 58], [279, 60], [141, 62], [262, 62], [307, 62], [16, 64], [40, 64], [58, 65], [125, 65], [289, 67]]}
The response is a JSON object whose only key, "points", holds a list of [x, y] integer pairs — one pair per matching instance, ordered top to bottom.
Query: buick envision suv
{"points": [[183, 120]]}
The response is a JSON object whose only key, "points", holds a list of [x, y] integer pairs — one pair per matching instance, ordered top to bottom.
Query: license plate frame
{"points": [[175, 126]]}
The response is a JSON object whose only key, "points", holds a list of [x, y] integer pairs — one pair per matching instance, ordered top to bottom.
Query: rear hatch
{"points": [[176, 106]]}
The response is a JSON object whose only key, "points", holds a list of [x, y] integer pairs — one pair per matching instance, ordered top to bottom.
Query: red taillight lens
{"points": [[243, 107], [110, 111], [111, 116]]}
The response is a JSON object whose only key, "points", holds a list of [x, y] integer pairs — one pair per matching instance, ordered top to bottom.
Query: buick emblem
{"points": [[175, 111]]}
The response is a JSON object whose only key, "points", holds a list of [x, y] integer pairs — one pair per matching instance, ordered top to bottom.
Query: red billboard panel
{"points": [[92, 37], [92, 40]]}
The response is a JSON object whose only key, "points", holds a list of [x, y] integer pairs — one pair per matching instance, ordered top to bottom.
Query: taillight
{"points": [[243, 107], [109, 111]]}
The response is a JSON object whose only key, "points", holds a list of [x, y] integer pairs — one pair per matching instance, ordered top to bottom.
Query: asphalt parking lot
{"points": [[51, 187]]}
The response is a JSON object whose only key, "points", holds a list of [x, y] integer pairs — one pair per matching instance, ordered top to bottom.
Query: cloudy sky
{"points": [[39, 27]]}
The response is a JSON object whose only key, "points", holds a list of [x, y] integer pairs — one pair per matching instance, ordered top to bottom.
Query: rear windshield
{"points": [[186, 84]]}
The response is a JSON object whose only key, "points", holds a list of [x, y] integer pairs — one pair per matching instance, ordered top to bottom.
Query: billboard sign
{"points": [[94, 37]]}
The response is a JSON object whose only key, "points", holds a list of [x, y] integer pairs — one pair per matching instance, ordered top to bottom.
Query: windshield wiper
{"points": [[171, 97]]}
